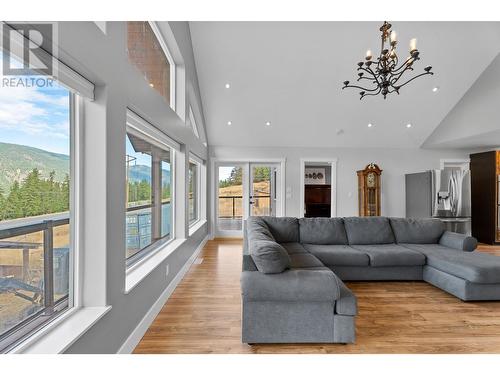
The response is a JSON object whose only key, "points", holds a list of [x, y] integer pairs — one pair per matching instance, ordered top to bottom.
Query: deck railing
{"points": [[223, 211], [43, 293]]}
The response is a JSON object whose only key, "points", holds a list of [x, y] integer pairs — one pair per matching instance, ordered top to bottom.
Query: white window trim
{"points": [[166, 51], [148, 130], [198, 162], [147, 264], [137, 271], [64, 330], [58, 335]]}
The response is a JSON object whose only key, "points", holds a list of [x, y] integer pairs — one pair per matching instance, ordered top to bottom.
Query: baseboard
{"points": [[139, 331]]}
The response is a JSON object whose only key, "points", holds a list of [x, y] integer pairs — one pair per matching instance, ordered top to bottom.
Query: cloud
{"points": [[34, 111]]}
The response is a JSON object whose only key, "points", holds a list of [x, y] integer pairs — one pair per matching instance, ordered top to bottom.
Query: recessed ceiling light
{"points": [[151, 85], [228, 85], [435, 89], [229, 123], [268, 123], [370, 125], [408, 125]]}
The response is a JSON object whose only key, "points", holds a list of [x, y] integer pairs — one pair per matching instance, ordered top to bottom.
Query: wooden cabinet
{"points": [[369, 190], [317, 199], [485, 201]]}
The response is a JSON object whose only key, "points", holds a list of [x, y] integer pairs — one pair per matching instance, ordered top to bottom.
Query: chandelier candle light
{"points": [[385, 73]]}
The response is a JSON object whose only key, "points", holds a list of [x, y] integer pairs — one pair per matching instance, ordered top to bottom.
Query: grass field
{"points": [[261, 206]]}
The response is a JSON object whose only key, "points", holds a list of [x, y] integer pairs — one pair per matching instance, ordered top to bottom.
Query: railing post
{"points": [[233, 207], [26, 263], [48, 267]]}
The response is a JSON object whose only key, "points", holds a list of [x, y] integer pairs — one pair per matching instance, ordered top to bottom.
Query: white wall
{"points": [[102, 58], [474, 121], [395, 163]]}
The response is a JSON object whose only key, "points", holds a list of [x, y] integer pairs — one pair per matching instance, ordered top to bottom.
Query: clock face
{"points": [[370, 180]]}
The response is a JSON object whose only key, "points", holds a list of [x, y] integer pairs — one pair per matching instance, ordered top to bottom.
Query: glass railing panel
{"points": [[21, 278]]}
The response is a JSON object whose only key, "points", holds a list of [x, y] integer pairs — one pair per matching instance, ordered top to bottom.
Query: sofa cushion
{"points": [[283, 229], [258, 230], [368, 230], [322, 231], [418, 231], [458, 241], [293, 247], [338, 255], [384, 255], [269, 256], [305, 260], [475, 267]]}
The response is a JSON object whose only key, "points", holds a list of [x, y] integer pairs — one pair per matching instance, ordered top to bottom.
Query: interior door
{"points": [[263, 189]]}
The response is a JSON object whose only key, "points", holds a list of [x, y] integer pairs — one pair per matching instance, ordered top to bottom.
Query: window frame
{"points": [[168, 55], [172, 65], [136, 125], [199, 184], [34, 324]]}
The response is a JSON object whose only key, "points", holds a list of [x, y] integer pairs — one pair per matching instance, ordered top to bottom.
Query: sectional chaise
{"points": [[293, 271]]}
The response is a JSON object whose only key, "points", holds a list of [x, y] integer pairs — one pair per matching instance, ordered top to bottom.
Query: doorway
{"points": [[318, 188], [244, 189]]}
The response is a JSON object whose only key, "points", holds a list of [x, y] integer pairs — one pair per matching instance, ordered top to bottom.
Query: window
{"points": [[147, 51], [193, 123], [194, 187], [149, 188], [36, 208]]}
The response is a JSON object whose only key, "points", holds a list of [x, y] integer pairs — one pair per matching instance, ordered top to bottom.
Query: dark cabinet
{"points": [[317, 200], [485, 204]]}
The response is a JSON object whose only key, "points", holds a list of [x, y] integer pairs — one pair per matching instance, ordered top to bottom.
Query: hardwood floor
{"points": [[204, 316]]}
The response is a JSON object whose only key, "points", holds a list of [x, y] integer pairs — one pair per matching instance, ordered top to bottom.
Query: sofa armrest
{"points": [[458, 241], [291, 285], [347, 303]]}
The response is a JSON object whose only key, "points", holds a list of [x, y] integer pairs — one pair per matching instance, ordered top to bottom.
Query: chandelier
{"points": [[384, 74]]}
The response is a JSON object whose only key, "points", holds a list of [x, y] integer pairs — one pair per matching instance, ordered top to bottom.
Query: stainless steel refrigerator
{"points": [[444, 194]]}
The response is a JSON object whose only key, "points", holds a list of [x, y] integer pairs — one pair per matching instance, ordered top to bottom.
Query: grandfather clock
{"points": [[369, 190]]}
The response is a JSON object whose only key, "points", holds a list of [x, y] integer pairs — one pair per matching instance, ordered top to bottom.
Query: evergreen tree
{"points": [[64, 193], [35, 196], [2, 204], [13, 207]]}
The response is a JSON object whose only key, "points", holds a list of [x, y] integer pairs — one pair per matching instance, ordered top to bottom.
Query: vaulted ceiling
{"points": [[290, 74]]}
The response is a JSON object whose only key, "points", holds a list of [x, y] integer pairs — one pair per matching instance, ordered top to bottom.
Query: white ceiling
{"points": [[291, 74]]}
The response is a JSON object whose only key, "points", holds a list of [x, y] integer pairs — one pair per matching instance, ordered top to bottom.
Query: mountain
{"points": [[16, 161], [138, 173]]}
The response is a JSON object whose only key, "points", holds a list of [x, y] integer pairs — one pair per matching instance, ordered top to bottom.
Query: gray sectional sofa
{"points": [[293, 271]]}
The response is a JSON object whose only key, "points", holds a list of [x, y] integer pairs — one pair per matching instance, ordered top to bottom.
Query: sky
{"points": [[36, 117], [140, 158], [224, 173]]}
